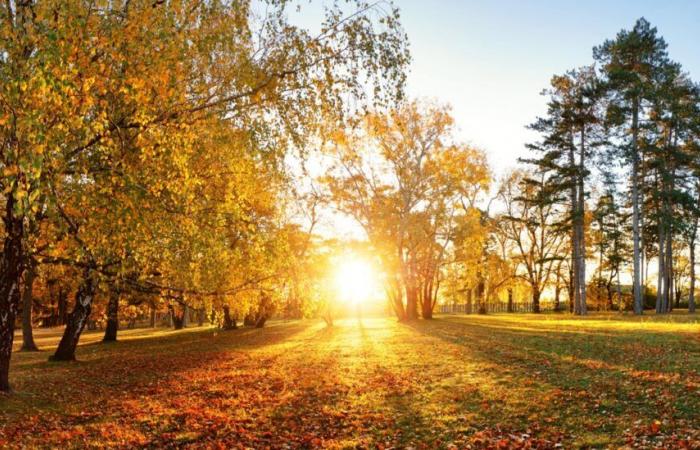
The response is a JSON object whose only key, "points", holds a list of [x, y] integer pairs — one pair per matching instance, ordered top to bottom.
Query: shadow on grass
{"points": [[116, 370], [606, 376]]}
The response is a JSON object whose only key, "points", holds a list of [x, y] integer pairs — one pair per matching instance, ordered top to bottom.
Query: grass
{"points": [[482, 381]]}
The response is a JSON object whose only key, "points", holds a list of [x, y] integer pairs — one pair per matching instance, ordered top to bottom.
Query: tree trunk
{"points": [[669, 271], [574, 273], [10, 275], [661, 276], [636, 282], [570, 290], [480, 291], [691, 294], [395, 297], [510, 300], [536, 301], [427, 302], [411, 303], [620, 305], [583, 308], [112, 316], [185, 316], [200, 317], [328, 318], [77, 319], [177, 319], [152, 320], [229, 323], [260, 323], [28, 344]]}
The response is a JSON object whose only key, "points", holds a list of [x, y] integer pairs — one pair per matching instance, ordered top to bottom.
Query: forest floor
{"points": [[498, 381]]}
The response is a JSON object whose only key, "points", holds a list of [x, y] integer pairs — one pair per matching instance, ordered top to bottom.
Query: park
{"points": [[385, 224]]}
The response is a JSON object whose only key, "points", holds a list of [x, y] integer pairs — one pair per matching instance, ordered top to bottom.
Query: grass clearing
{"points": [[511, 380]]}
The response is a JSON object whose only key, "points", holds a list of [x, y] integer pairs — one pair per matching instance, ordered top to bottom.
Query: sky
{"points": [[491, 59]]}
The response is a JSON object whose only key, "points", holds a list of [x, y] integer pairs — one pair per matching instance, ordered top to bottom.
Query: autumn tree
{"points": [[130, 86], [406, 182]]}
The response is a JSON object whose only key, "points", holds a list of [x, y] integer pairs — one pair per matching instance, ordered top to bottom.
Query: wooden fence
{"points": [[494, 307]]}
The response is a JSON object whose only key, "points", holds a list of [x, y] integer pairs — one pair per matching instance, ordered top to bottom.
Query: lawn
{"points": [[457, 381]]}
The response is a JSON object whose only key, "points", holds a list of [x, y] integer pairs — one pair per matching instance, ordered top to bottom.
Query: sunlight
{"points": [[356, 281]]}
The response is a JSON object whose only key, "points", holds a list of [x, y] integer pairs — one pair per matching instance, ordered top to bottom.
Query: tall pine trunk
{"points": [[668, 211], [580, 216], [636, 261], [11, 268], [669, 270], [661, 275], [570, 288], [691, 294], [575, 299], [77, 319], [28, 344]]}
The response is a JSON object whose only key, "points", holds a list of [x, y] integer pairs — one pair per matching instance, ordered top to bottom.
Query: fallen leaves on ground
{"points": [[471, 382]]}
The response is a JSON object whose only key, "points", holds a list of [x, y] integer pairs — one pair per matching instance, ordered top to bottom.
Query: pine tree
{"points": [[630, 64], [571, 133]]}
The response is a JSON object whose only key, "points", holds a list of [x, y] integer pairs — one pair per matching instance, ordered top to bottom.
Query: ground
{"points": [[498, 381]]}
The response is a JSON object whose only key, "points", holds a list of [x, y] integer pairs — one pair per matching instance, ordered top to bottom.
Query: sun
{"points": [[356, 281]]}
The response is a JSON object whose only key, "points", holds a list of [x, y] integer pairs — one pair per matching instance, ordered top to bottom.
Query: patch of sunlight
{"points": [[611, 322]]}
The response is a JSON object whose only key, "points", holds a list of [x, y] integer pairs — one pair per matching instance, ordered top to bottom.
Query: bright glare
{"points": [[356, 281]]}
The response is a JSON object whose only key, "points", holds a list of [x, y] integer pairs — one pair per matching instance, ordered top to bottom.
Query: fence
{"points": [[494, 307]]}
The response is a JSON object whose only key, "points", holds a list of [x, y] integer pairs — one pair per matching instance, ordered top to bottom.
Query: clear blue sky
{"points": [[491, 59]]}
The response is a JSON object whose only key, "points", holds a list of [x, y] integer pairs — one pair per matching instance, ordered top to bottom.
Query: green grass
{"points": [[484, 381]]}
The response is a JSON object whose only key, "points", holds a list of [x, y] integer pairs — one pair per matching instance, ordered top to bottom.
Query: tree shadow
{"points": [[117, 371], [607, 377]]}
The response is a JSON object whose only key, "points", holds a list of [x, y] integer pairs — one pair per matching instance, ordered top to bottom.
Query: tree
{"points": [[630, 64], [130, 86], [572, 132], [405, 181], [531, 226], [612, 247]]}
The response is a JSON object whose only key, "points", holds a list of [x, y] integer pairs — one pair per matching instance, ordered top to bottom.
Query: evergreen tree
{"points": [[631, 63], [571, 133]]}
